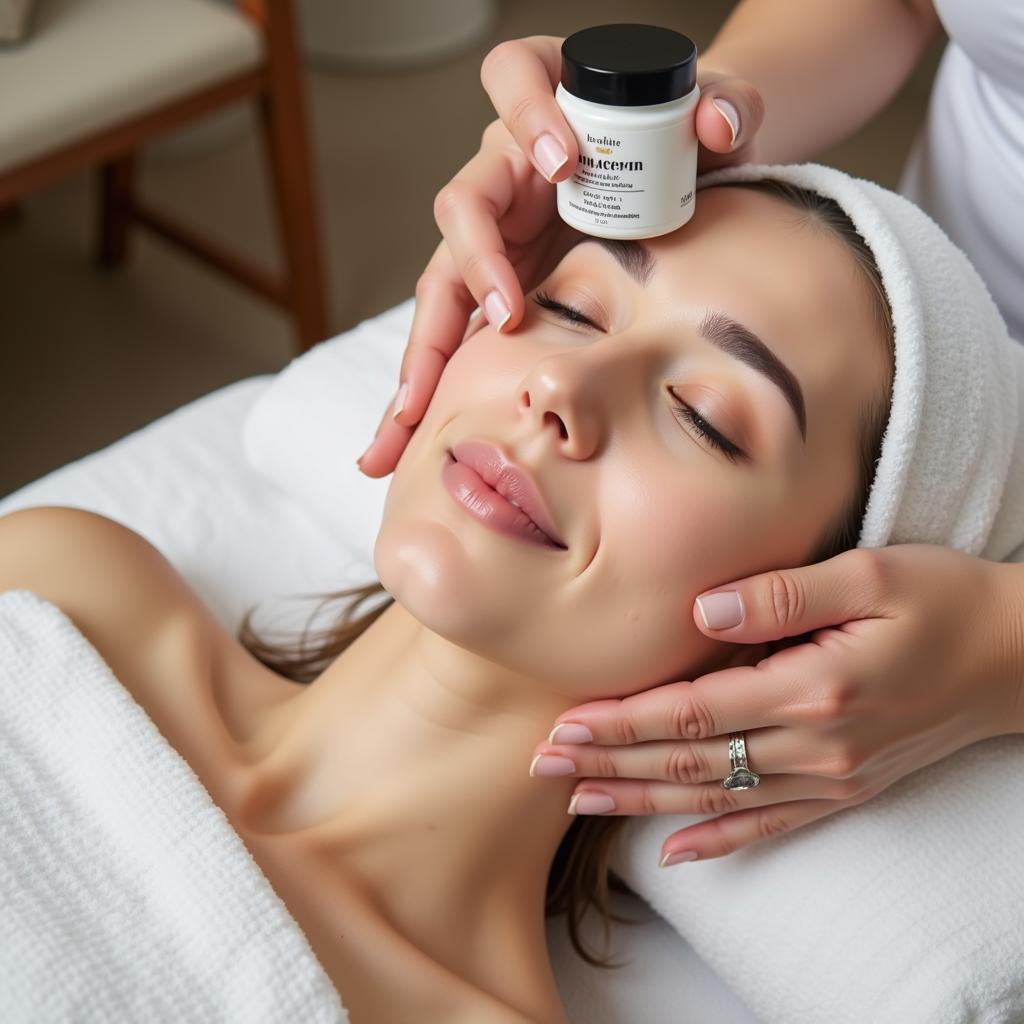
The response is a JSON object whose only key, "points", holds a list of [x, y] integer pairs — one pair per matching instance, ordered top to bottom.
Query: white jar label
{"points": [[631, 182]]}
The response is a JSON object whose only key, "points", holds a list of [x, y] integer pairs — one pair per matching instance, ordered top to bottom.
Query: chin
{"points": [[423, 565]]}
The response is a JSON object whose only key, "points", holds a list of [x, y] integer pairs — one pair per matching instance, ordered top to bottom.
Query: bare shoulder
{"points": [[116, 587], [152, 629]]}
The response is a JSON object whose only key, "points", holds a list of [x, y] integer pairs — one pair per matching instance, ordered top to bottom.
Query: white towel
{"points": [[951, 470], [125, 894], [908, 909]]}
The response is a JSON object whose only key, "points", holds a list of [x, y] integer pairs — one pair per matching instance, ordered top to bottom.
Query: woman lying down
{"points": [[696, 408]]}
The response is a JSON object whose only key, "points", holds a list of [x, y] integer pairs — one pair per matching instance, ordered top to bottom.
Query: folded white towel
{"points": [[125, 894], [908, 909]]}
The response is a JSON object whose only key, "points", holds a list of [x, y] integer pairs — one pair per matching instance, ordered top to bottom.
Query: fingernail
{"points": [[730, 114], [549, 154], [496, 309], [403, 391], [359, 461], [721, 610], [570, 732], [552, 764], [591, 803], [679, 857]]}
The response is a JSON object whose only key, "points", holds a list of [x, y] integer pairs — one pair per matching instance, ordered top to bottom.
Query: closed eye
{"points": [[568, 313], [696, 424], [699, 425]]}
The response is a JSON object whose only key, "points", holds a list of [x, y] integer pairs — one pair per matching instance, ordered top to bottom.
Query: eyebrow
{"points": [[722, 331]]}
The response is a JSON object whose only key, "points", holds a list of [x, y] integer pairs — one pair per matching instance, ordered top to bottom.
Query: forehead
{"points": [[775, 260], [789, 262]]}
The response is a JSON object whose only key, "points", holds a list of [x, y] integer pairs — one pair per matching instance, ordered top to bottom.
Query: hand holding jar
{"points": [[502, 233]]}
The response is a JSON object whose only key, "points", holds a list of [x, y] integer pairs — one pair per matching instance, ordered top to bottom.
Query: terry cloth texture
{"points": [[125, 894]]}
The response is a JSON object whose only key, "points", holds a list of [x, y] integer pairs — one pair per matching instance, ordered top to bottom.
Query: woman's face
{"points": [[745, 312]]}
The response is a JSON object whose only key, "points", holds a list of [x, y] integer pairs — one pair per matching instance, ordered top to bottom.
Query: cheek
{"points": [[483, 370], [687, 520], [669, 532], [660, 548]]}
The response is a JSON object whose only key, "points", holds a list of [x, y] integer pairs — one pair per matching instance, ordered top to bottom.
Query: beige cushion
{"points": [[91, 64]]}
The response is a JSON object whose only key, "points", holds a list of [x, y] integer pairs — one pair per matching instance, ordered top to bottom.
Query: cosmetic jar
{"points": [[629, 93]]}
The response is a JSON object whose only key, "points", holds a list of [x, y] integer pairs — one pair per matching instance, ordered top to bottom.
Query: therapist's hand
{"points": [[498, 218], [916, 652]]}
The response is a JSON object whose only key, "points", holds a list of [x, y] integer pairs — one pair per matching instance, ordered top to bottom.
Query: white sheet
{"points": [[184, 484]]}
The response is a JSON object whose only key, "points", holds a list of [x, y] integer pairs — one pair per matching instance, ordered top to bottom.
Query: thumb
{"points": [[729, 115], [789, 602]]}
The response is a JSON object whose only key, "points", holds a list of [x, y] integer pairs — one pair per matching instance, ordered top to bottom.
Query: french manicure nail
{"points": [[730, 115], [549, 154], [496, 309], [403, 392], [722, 610], [570, 732], [552, 764], [591, 803], [679, 857]]}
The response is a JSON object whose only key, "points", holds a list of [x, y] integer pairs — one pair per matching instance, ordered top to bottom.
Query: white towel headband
{"points": [[951, 470]]}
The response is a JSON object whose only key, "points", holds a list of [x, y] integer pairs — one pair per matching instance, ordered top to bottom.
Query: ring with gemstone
{"points": [[741, 777]]}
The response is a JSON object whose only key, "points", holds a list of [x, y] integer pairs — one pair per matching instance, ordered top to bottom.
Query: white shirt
{"points": [[966, 168]]}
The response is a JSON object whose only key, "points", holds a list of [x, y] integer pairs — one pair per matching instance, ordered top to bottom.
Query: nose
{"points": [[573, 395]]}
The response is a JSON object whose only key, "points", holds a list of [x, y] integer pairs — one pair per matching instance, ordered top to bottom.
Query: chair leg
{"points": [[284, 127], [115, 210]]}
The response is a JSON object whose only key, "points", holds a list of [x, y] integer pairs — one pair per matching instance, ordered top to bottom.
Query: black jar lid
{"points": [[629, 65]]}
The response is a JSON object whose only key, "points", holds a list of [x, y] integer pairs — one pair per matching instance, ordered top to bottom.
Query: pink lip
{"points": [[499, 493]]}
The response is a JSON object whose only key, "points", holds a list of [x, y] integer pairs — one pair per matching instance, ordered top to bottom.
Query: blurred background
{"points": [[89, 353]]}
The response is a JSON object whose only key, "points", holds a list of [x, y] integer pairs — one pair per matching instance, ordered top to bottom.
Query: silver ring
{"points": [[741, 777]]}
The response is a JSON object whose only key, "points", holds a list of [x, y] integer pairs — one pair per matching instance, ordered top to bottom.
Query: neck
{"points": [[408, 759]]}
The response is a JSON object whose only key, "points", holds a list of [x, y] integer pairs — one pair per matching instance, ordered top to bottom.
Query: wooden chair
{"points": [[97, 79]]}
